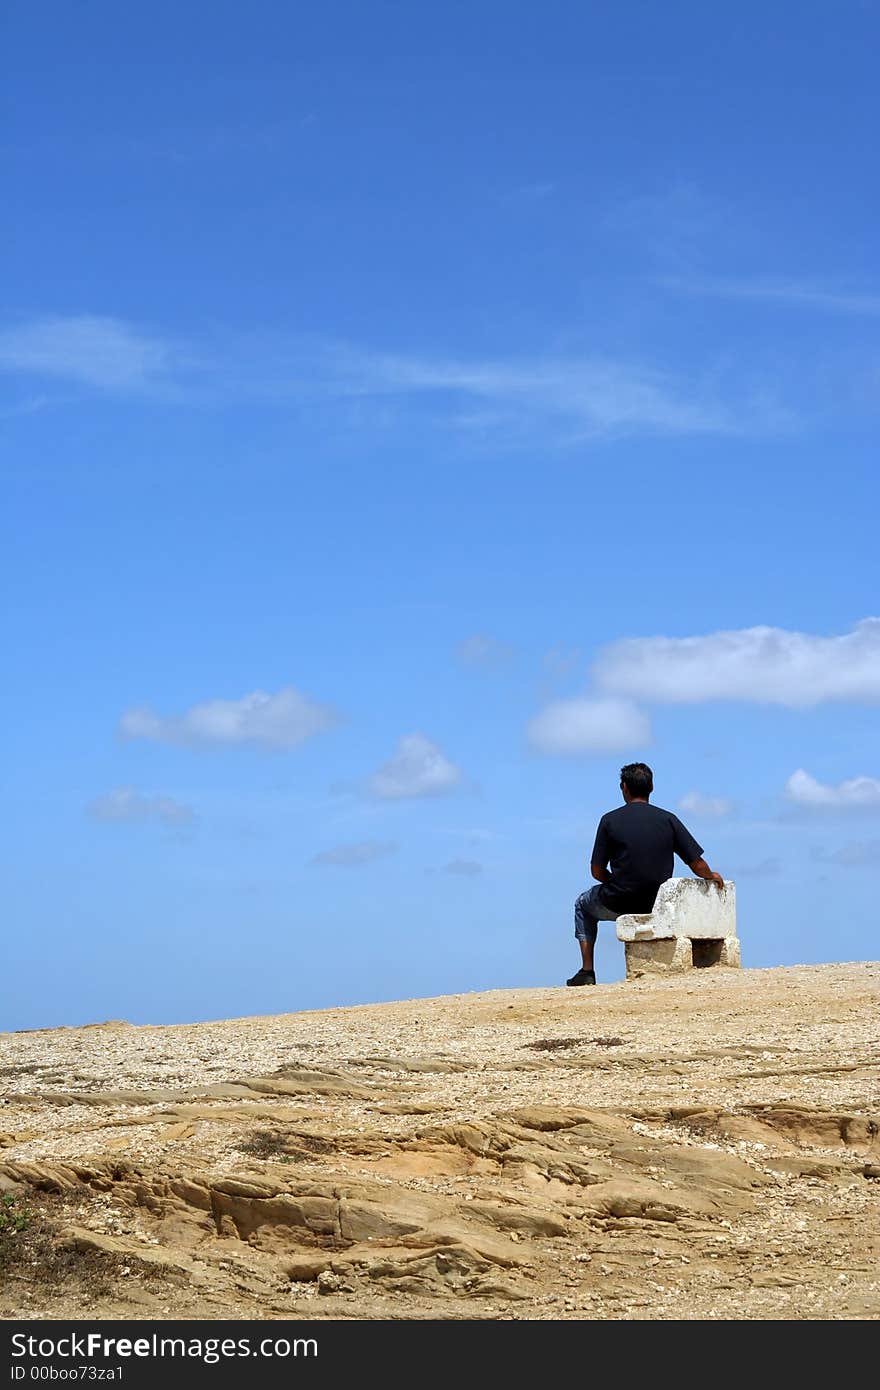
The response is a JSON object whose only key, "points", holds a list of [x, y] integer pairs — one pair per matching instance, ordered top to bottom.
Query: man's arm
{"points": [[599, 857], [702, 870]]}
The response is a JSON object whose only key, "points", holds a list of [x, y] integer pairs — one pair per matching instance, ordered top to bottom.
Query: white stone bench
{"points": [[693, 924]]}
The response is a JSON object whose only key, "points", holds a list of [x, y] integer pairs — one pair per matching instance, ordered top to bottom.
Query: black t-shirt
{"points": [[639, 840]]}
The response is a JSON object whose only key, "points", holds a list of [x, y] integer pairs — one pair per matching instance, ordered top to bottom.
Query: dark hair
{"points": [[637, 778]]}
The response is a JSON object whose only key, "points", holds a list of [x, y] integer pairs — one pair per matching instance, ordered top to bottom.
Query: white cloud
{"points": [[800, 294], [94, 351], [589, 396], [565, 398], [480, 650], [560, 661], [768, 665], [280, 721], [588, 725], [418, 768], [855, 794], [126, 804], [710, 807], [354, 856], [465, 868]]}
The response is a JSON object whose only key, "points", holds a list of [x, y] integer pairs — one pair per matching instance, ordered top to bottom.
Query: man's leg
{"points": [[585, 930], [587, 946]]}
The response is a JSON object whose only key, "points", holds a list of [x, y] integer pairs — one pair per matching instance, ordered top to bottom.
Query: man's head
{"points": [[636, 782]]}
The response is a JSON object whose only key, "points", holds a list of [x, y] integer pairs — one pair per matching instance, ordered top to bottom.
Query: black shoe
{"points": [[583, 977]]}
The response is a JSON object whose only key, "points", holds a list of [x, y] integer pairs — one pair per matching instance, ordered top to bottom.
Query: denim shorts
{"points": [[589, 911]]}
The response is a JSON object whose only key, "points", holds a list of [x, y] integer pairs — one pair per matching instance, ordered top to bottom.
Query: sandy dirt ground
{"points": [[700, 1147]]}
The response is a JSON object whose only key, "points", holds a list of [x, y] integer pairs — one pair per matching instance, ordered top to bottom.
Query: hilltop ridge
{"points": [[702, 1146]]}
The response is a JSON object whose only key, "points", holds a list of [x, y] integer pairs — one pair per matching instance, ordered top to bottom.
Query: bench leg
{"points": [[730, 953], [674, 956], [670, 957]]}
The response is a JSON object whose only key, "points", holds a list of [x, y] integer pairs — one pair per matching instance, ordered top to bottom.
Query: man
{"points": [[639, 840]]}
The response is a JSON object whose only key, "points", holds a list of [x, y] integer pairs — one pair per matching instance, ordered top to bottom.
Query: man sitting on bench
{"points": [[639, 841]]}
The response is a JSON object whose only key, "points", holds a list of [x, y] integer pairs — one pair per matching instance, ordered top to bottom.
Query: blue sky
{"points": [[409, 414]]}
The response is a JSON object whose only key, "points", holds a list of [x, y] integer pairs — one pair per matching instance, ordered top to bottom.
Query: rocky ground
{"points": [[699, 1147]]}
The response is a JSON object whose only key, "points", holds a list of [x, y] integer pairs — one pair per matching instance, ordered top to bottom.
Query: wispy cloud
{"points": [[177, 143], [535, 192], [673, 225], [797, 294], [103, 353], [588, 396], [564, 398], [29, 405], [483, 652], [560, 661], [765, 665], [279, 722], [568, 728], [418, 768], [855, 794], [127, 804], [709, 807], [472, 834], [861, 854], [354, 856], [463, 868], [762, 868]]}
